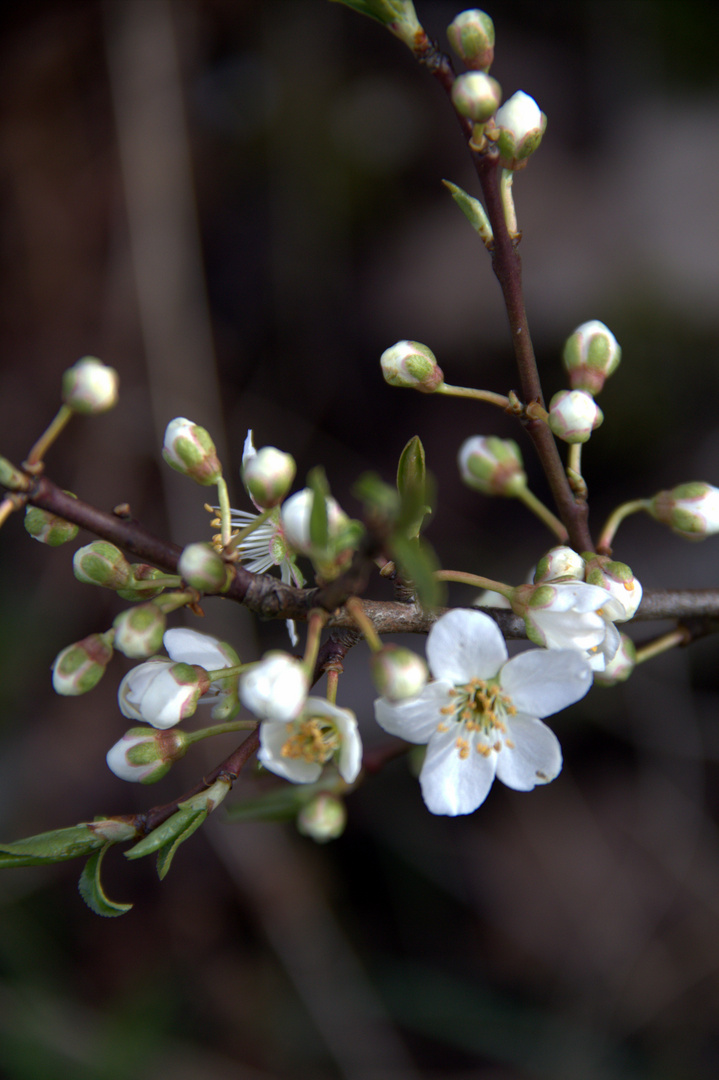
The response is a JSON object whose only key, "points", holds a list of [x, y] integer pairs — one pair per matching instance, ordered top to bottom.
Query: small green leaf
{"points": [[472, 210], [413, 484], [319, 527], [417, 564], [166, 833], [51, 847], [166, 854], [91, 889]]}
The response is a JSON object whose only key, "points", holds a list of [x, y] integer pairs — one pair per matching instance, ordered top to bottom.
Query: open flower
{"points": [[571, 615], [481, 717], [300, 748]]}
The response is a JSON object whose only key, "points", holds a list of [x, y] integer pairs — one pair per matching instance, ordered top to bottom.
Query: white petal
{"points": [[248, 450], [569, 629], [464, 645], [191, 647], [541, 682], [416, 719], [273, 736], [350, 753], [536, 757], [451, 784]]}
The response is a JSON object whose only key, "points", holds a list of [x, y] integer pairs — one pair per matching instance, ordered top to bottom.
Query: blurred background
{"points": [[238, 206]]}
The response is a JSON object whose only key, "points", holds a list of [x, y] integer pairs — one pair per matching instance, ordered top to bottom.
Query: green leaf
{"points": [[472, 210], [413, 484], [379, 499], [319, 527], [417, 564], [166, 833], [51, 847], [166, 854], [91, 889]]}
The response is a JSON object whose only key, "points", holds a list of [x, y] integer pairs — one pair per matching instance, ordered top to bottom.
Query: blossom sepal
{"points": [[471, 35], [476, 95], [521, 125], [591, 354], [412, 366], [90, 386], [189, 449], [492, 466], [690, 510], [48, 528], [101, 563], [560, 564], [619, 581], [139, 630], [79, 667], [482, 716], [321, 733], [143, 756]]}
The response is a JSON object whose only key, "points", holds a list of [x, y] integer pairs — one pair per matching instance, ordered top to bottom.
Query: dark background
{"points": [[238, 206]]}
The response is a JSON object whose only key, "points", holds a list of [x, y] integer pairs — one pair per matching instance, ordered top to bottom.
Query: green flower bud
{"points": [[471, 35], [476, 95], [521, 127], [591, 355], [411, 365], [90, 386], [573, 415], [189, 449], [493, 466], [268, 474], [691, 510], [49, 528], [101, 563], [560, 564], [204, 569], [142, 572], [619, 581], [138, 631], [79, 667], [398, 673], [144, 756], [323, 818]]}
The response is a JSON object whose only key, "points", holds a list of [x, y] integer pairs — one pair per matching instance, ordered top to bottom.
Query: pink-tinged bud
{"points": [[471, 35], [476, 95], [521, 127], [591, 355], [412, 366], [90, 386], [573, 415], [188, 448], [493, 466], [268, 476], [691, 510], [48, 528], [101, 563], [560, 564], [204, 569], [619, 581], [138, 631], [621, 665], [79, 667], [398, 673], [275, 688], [162, 693], [143, 756], [323, 818], [113, 830]]}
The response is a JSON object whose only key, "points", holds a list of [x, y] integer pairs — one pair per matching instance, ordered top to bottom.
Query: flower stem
{"points": [[510, 214], [500, 400], [48, 437], [224, 500], [544, 514], [604, 544], [474, 579], [356, 610], [315, 621], [663, 644], [333, 678], [220, 729]]}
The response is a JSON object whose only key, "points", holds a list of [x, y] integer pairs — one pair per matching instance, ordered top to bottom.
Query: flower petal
{"points": [[463, 645], [191, 647], [541, 682], [415, 719], [273, 736], [535, 758], [451, 784]]}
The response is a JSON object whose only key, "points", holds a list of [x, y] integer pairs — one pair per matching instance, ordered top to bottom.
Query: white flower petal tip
{"points": [[276, 688], [481, 718], [299, 749]]}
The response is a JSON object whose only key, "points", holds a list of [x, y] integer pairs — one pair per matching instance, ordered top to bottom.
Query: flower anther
{"points": [[299, 749]]}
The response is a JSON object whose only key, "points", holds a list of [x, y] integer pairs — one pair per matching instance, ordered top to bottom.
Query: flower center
{"points": [[480, 708], [313, 739]]}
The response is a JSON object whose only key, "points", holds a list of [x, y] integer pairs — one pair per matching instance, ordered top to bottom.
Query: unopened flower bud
{"points": [[398, 16], [471, 35], [476, 95], [521, 126], [591, 355], [411, 365], [90, 386], [573, 415], [188, 448], [491, 465], [268, 476], [691, 510], [296, 514], [48, 528], [101, 563], [560, 564], [203, 568], [142, 572], [619, 581], [138, 631], [621, 665], [79, 667], [398, 673], [275, 688], [162, 693], [143, 756], [322, 818]]}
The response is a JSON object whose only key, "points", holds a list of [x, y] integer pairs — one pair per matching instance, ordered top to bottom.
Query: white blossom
{"points": [[571, 615], [275, 688], [161, 692], [482, 716], [299, 748]]}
